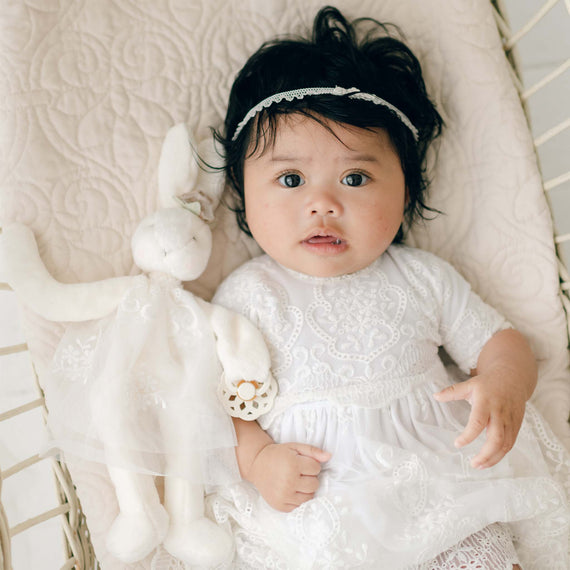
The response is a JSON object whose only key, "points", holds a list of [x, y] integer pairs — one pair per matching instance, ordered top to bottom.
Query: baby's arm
{"points": [[501, 384], [286, 475]]}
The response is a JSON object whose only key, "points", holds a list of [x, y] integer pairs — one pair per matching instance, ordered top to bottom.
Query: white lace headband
{"points": [[353, 92]]}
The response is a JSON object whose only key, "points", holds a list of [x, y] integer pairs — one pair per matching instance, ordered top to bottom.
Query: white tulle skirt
{"points": [[137, 389], [397, 494]]}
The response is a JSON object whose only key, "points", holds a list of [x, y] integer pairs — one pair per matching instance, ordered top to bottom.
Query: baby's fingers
{"points": [[460, 391], [479, 416], [478, 421], [500, 440], [311, 451], [308, 466], [308, 485], [305, 491]]}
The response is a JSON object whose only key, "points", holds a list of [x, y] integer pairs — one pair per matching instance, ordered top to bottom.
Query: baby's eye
{"points": [[355, 179], [291, 180]]}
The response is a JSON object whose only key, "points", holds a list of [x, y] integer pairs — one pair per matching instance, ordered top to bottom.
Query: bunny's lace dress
{"points": [[357, 362], [138, 389]]}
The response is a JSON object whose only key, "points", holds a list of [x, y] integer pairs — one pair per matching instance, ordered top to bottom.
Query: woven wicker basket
{"points": [[78, 551]]}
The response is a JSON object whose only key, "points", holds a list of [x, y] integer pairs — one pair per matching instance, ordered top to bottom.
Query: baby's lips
{"points": [[324, 239]]}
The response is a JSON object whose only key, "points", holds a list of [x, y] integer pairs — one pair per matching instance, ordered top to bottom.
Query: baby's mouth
{"points": [[321, 239], [323, 243]]}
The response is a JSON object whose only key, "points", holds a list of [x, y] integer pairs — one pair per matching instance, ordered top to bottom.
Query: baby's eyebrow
{"points": [[356, 157], [364, 157], [285, 158]]}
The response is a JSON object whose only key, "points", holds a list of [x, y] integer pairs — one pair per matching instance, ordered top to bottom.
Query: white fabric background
{"points": [[89, 88]]}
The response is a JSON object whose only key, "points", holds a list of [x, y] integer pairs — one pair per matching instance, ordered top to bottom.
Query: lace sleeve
{"points": [[467, 322]]}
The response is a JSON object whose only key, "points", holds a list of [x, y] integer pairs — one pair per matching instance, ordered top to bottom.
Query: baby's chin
{"points": [[326, 268]]}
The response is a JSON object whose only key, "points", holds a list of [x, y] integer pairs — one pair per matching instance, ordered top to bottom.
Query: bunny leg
{"points": [[142, 521], [192, 537]]}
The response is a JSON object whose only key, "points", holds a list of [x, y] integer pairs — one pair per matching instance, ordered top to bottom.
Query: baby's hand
{"points": [[498, 404], [286, 474]]}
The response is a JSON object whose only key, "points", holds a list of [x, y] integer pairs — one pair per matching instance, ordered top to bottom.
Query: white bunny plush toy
{"points": [[146, 384]]}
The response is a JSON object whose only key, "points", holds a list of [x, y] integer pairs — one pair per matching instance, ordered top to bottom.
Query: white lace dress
{"points": [[357, 363]]}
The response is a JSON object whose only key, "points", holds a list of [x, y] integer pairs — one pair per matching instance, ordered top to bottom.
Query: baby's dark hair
{"points": [[335, 56]]}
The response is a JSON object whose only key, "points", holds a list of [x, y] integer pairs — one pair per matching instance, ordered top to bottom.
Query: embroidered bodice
{"points": [[365, 338]]}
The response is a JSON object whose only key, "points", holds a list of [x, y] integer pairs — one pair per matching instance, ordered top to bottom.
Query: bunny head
{"points": [[177, 239], [174, 241]]}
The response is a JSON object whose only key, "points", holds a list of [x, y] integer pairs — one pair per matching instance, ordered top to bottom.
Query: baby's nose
{"points": [[324, 203]]}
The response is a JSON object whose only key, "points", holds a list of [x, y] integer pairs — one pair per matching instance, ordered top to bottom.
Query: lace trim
{"points": [[352, 92], [366, 393], [318, 531], [488, 549]]}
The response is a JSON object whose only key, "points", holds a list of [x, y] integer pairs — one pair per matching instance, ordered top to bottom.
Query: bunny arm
{"points": [[51, 299], [241, 348], [248, 388]]}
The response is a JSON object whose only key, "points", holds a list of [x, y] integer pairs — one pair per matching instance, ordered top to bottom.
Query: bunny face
{"points": [[173, 241]]}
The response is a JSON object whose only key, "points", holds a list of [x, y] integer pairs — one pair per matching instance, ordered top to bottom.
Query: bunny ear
{"points": [[178, 167], [181, 180]]}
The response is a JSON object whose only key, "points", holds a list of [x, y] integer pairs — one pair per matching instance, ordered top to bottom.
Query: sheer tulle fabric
{"points": [[138, 389], [396, 493]]}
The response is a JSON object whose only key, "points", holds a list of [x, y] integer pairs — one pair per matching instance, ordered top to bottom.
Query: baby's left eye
{"points": [[355, 179]]}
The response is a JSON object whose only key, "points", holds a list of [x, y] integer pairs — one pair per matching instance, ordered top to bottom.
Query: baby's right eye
{"points": [[291, 180]]}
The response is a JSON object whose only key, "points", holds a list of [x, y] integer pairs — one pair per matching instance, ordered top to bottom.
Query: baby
{"points": [[373, 456]]}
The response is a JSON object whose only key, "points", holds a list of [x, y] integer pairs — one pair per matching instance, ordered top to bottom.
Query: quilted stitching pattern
{"points": [[88, 88]]}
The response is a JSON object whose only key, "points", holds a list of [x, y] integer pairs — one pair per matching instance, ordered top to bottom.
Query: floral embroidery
{"points": [[358, 320], [75, 360]]}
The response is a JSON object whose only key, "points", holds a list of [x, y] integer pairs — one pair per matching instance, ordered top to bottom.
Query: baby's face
{"points": [[321, 204]]}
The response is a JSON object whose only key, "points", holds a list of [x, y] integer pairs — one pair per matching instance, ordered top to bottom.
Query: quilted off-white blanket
{"points": [[88, 89]]}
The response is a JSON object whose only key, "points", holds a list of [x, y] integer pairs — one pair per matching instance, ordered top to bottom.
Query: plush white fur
{"points": [[176, 242]]}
